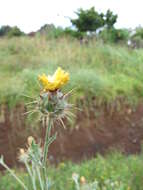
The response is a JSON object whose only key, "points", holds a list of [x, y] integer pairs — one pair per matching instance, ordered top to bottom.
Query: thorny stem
{"points": [[46, 145], [30, 175], [34, 175], [40, 179], [77, 186]]}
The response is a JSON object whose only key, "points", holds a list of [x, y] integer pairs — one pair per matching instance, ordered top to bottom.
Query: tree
{"points": [[110, 19], [88, 20], [4, 30], [10, 31], [15, 31]]}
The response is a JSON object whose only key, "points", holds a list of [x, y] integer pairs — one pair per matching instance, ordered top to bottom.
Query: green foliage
{"points": [[110, 19], [88, 20], [91, 20], [4, 30], [10, 31], [50, 31], [15, 32], [139, 32], [56, 33], [74, 33], [113, 35], [137, 38], [136, 42], [115, 168], [6, 182]]}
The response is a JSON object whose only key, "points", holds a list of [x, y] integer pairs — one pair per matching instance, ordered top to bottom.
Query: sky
{"points": [[30, 15]]}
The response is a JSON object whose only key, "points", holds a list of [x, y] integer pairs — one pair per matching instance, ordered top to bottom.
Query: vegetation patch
{"points": [[97, 69], [114, 168]]}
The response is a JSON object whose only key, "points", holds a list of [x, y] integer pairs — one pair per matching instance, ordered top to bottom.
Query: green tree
{"points": [[110, 19], [88, 20], [4, 30], [15, 31]]}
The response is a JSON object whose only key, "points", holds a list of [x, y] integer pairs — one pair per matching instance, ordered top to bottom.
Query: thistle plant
{"points": [[52, 106]]}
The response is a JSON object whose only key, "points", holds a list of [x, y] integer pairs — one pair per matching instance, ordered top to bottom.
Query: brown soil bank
{"points": [[97, 130]]}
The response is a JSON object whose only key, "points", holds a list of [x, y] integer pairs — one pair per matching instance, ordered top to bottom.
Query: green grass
{"points": [[101, 70], [114, 167]]}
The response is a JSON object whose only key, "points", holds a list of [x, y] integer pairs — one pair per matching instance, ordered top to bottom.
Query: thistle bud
{"points": [[53, 104], [30, 139], [22, 151], [23, 156], [82, 180]]}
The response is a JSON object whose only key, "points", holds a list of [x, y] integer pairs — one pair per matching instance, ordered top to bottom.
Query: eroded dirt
{"points": [[98, 129]]}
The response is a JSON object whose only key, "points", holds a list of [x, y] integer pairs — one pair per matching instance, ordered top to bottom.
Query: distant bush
{"points": [[4, 30], [10, 31], [14, 31], [51, 31], [56, 32], [138, 32], [74, 33], [114, 35], [136, 40]]}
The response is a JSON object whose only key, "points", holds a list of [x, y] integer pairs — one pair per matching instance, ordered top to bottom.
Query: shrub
{"points": [[4, 30], [14, 31], [50, 31], [74, 33], [114, 35], [137, 38]]}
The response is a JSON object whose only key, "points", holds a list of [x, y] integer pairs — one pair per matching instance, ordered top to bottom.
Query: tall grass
{"points": [[97, 69]]}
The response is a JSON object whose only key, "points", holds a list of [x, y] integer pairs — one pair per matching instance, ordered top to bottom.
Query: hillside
{"points": [[96, 69]]}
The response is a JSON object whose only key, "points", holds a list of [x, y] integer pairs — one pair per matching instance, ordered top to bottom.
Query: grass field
{"points": [[96, 69], [116, 168]]}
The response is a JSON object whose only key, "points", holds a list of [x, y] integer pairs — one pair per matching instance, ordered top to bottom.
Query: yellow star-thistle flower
{"points": [[54, 82]]}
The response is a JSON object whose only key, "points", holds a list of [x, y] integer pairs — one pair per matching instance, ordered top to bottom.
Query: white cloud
{"points": [[29, 15]]}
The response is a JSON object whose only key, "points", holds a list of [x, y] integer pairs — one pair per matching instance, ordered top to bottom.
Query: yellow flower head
{"points": [[54, 82]]}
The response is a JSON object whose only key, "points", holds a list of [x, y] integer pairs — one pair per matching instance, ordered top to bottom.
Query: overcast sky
{"points": [[30, 15]]}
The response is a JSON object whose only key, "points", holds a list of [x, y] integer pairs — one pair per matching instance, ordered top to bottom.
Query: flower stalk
{"points": [[47, 140]]}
